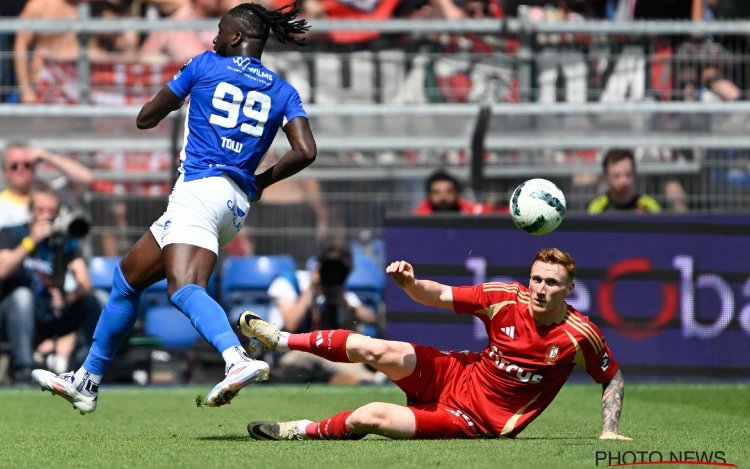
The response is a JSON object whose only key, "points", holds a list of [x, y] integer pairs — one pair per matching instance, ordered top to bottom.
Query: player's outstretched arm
{"points": [[158, 108], [303, 153], [426, 292], [612, 396]]}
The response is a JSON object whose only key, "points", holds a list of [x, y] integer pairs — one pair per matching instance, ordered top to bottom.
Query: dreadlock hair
{"points": [[260, 22]]}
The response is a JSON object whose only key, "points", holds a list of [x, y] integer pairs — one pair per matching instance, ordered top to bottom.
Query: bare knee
{"points": [[368, 350], [373, 351], [382, 354], [368, 418]]}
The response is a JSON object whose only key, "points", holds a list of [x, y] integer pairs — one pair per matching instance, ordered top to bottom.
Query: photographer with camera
{"points": [[45, 289], [306, 301]]}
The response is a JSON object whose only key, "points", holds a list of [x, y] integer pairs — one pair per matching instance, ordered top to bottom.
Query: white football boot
{"points": [[239, 375], [63, 386]]}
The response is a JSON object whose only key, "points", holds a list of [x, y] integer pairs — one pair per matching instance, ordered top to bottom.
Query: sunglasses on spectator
{"points": [[16, 166]]}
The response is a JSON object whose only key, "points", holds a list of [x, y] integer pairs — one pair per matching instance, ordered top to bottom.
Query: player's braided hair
{"points": [[282, 22]]}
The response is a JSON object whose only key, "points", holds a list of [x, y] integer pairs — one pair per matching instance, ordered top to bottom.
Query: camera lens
{"points": [[333, 273]]}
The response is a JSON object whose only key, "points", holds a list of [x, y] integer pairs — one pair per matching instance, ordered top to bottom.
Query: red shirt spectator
{"points": [[443, 193], [464, 206]]}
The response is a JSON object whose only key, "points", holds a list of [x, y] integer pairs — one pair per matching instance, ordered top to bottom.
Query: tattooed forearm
{"points": [[612, 395]]}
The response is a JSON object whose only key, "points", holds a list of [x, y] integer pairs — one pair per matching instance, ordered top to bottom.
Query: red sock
{"points": [[329, 344], [333, 428]]}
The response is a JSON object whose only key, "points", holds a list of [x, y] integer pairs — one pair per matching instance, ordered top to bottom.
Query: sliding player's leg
{"points": [[395, 359], [378, 418], [426, 421]]}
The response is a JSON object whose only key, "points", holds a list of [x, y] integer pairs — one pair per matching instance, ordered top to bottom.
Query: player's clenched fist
{"points": [[402, 273]]}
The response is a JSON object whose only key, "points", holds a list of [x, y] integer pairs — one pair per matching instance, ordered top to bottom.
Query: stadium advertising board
{"points": [[671, 294]]}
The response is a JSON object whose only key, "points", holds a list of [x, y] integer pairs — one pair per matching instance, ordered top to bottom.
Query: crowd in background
{"points": [[40, 63], [128, 68]]}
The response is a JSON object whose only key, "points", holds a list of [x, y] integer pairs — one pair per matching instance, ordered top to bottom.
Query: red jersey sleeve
{"points": [[423, 208], [486, 299], [600, 363]]}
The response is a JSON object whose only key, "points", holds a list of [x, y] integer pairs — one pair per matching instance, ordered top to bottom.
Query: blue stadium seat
{"points": [[374, 249], [101, 271], [367, 275], [367, 280], [245, 282], [155, 296], [172, 328]]}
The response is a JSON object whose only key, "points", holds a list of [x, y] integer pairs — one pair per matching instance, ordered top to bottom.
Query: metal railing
{"points": [[556, 96]]}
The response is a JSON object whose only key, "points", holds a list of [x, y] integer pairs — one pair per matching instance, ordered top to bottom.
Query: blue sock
{"points": [[208, 318], [115, 323]]}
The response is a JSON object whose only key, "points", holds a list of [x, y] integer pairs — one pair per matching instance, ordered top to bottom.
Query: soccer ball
{"points": [[537, 206]]}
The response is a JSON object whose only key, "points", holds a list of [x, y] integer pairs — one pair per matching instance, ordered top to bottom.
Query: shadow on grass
{"points": [[224, 438], [379, 439]]}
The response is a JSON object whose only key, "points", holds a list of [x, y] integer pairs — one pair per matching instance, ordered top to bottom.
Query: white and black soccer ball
{"points": [[537, 206]]}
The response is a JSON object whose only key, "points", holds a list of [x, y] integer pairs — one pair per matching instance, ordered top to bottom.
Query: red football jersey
{"points": [[464, 206], [525, 364]]}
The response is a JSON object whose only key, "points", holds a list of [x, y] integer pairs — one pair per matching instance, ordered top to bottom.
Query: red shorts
{"points": [[433, 376]]}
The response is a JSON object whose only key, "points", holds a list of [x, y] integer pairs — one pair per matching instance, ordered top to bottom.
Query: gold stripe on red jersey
{"points": [[501, 285], [497, 286], [522, 296], [496, 307], [492, 310], [588, 327], [585, 333], [578, 359], [511, 423]]}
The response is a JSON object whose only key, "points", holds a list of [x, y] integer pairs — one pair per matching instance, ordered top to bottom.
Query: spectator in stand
{"points": [[567, 8], [8, 9], [739, 44], [182, 45], [113, 46], [48, 48], [46, 63], [694, 64], [702, 67], [20, 164], [619, 175], [443, 192], [45, 289], [306, 301]]}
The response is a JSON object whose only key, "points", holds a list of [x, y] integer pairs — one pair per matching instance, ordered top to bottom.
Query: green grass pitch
{"points": [[161, 427]]}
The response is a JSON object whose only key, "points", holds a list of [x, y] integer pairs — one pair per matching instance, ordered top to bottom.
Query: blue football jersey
{"points": [[236, 107]]}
